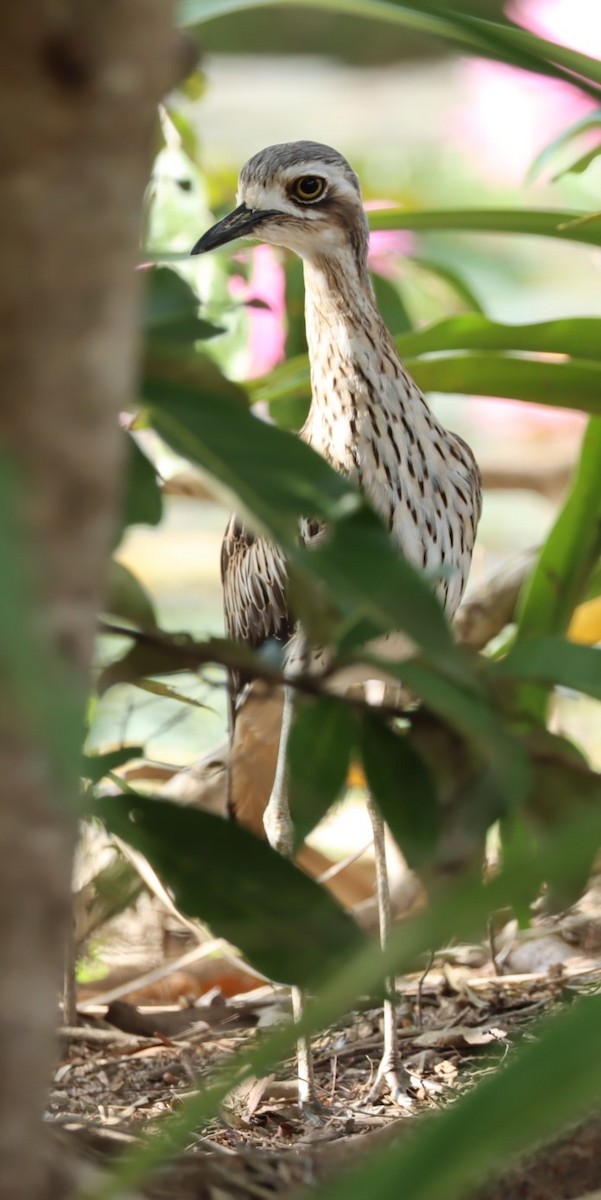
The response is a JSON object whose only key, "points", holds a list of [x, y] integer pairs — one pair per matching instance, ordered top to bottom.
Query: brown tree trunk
{"points": [[79, 84]]}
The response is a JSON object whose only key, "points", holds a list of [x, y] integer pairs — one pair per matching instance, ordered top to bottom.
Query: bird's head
{"points": [[299, 195]]}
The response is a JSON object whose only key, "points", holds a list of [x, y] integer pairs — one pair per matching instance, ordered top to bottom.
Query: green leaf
{"points": [[508, 37], [494, 40], [544, 161], [580, 165], [550, 222], [451, 277], [390, 305], [171, 309], [578, 337], [573, 384], [142, 502], [564, 564], [593, 587], [127, 598], [157, 652], [158, 656], [554, 661], [156, 688], [474, 716], [319, 752], [96, 766], [402, 787], [469, 787], [289, 927]]}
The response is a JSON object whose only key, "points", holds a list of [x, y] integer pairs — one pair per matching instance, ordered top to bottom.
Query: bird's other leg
{"points": [[277, 820], [280, 833], [304, 1058], [390, 1071]]}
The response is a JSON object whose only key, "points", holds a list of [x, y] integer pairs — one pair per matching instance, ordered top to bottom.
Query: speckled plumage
{"points": [[367, 417], [371, 422]]}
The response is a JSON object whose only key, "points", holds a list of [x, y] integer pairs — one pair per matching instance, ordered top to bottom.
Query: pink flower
{"points": [[574, 23], [510, 115], [387, 245], [267, 326]]}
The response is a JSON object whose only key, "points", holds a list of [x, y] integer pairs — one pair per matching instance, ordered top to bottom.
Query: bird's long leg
{"points": [[277, 820], [280, 833], [304, 1057], [390, 1071]]}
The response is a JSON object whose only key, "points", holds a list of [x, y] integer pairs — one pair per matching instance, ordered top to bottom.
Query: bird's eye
{"points": [[308, 188]]}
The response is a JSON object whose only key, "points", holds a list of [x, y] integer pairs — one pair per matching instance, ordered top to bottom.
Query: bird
{"points": [[371, 423]]}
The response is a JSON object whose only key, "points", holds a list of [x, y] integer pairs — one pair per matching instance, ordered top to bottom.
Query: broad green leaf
{"points": [[487, 38], [544, 161], [550, 222], [389, 302], [171, 309], [578, 337], [288, 382], [572, 384], [274, 478], [142, 501], [565, 562], [127, 598], [553, 661], [474, 716], [319, 752], [96, 766], [562, 785], [402, 786], [469, 788], [287, 925], [490, 1124]]}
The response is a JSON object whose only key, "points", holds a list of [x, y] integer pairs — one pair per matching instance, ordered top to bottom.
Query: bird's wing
{"points": [[254, 578]]}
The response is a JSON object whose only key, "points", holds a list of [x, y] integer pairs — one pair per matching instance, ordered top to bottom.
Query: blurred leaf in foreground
{"points": [[287, 926]]}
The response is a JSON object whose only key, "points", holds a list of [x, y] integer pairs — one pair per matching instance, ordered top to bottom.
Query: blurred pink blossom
{"points": [[574, 23], [509, 115], [387, 245], [267, 326], [508, 419]]}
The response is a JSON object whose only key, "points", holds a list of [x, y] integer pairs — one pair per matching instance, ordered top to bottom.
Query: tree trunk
{"points": [[79, 84]]}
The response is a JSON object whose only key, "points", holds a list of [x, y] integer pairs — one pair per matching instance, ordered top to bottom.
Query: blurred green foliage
{"points": [[477, 749]]}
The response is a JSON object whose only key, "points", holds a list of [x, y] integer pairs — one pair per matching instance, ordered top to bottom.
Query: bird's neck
{"points": [[340, 306], [355, 367]]}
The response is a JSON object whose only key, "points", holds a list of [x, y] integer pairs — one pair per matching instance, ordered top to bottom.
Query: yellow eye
{"points": [[308, 188]]}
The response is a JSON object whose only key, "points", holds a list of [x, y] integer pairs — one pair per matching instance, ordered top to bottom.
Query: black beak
{"points": [[242, 222]]}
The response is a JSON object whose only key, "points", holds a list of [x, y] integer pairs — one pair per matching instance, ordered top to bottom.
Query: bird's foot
{"points": [[279, 828], [392, 1079], [314, 1112]]}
